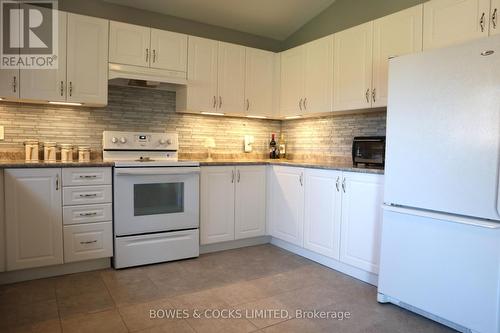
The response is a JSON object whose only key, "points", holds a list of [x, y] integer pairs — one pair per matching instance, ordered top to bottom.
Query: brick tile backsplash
{"points": [[135, 109]]}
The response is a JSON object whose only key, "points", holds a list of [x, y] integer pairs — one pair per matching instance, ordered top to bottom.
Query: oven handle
{"points": [[156, 171]]}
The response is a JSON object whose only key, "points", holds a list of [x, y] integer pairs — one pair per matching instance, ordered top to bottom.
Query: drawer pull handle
{"points": [[88, 177], [88, 195], [88, 214], [88, 242]]}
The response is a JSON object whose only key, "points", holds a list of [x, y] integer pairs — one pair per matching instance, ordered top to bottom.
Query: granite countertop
{"points": [[58, 164], [302, 164]]}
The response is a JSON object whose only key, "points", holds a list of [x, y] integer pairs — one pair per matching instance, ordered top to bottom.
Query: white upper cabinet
{"points": [[494, 21], [449, 22], [393, 35], [129, 44], [169, 50], [87, 60], [202, 75], [318, 76], [231, 78], [352, 79], [292, 81], [259, 82], [9, 84], [48, 84], [362, 199], [250, 201], [217, 204], [287, 204], [322, 212], [33, 217]]}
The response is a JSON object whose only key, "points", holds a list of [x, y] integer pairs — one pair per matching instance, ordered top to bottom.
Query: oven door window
{"points": [[154, 199]]}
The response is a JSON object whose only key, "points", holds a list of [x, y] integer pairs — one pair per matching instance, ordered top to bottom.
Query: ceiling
{"points": [[276, 19]]}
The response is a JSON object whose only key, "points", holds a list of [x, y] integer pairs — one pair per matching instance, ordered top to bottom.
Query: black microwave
{"points": [[368, 150]]}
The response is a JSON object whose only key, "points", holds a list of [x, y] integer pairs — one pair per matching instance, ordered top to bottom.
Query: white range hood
{"points": [[143, 77]]}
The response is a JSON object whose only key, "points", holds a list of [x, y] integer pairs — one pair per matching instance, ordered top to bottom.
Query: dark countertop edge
{"points": [[325, 166]]}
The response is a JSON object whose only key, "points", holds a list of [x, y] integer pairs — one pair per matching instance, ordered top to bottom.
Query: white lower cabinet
{"points": [[233, 203], [287, 204], [322, 212], [333, 213], [33, 218], [361, 223], [2, 224], [88, 241]]}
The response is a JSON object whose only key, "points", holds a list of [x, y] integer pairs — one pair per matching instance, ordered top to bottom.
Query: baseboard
{"points": [[234, 244], [328, 262], [50, 271]]}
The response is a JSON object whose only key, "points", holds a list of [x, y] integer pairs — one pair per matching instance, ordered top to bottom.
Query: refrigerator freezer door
{"points": [[443, 130], [447, 269]]}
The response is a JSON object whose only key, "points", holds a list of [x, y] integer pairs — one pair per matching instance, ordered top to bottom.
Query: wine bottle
{"points": [[272, 147]]}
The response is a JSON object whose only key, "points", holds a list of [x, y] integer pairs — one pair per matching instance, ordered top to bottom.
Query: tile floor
{"points": [[243, 280]]}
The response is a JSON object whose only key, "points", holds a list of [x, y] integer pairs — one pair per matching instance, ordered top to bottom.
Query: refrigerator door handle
{"points": [[445, 217]]}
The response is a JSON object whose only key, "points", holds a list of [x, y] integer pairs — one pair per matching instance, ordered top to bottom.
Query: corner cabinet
{"points": [[259, 82], [233, 203], [33, 218]]}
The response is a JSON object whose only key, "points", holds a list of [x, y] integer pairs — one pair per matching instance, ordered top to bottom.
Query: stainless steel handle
{"points": [[494, 18], [481, 22], [147, 55], [154, 55], [14, 83], [62, 88], [70, 88], [367, 95], [374, 95], [215, 102], [220, 102], [305, 103], [248, 104], [300, 104], [156, 171], [88, 176], [232, 176], [239, 176], [301, 179], [57, 182], [337, 184], [343, 185], [93, 195], [88, 214], [88, 242]]}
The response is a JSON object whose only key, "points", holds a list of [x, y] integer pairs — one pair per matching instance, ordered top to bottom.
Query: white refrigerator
{"points": [[440, 251]]}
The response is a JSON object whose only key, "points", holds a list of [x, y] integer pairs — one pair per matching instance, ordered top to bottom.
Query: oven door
{"points": [[157, 199]]}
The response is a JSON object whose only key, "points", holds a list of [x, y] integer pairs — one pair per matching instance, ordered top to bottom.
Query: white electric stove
{"points": [[156, 198]]}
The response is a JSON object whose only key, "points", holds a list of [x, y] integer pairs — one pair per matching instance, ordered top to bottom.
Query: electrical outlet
{"points": [[1, 133]]}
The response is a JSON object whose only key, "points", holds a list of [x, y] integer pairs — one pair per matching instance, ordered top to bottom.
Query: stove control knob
{"points": [[123, 139], [114, 140], [163, 141], [169, 142]]}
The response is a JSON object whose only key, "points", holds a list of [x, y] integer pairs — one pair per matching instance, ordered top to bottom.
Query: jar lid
{"points": [[31, 142], [49, 144], [66, 145], [83, 148]]}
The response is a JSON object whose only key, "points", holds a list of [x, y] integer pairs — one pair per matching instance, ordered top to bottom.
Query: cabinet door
{"points": [[494, 21], [449, 22], [393, 35], [129, 44], [169, 50], [87, 63], [352, 71], [202, 74], [318, 76], [231, 78], [292, 81], [259, 82], [9, 84], [48, 84], [250, 201], [217, 204], [287, 204], [322, 212], [33, 218], [361, 220], [2, 223]]}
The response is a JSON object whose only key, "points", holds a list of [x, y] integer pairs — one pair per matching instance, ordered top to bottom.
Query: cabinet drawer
{"points": [[86, 176], [84, 195], [87, 213], [88, 241]]}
